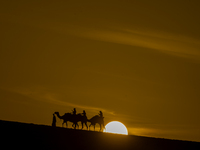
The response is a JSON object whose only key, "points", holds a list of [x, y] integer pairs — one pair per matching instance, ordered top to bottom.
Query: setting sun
{"points": [[116, 127]]}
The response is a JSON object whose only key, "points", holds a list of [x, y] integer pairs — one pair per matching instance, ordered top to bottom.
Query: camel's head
{"points": [[56, 112]]}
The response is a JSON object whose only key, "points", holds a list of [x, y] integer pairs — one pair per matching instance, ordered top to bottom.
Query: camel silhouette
{"points": [[73, 118], [97, 119]]}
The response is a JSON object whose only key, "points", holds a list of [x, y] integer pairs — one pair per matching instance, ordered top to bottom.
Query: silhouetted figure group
{"points": [[81, 117]]}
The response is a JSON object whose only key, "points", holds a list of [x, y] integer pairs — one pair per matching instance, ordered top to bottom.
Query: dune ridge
{"points": [[33, 136]]}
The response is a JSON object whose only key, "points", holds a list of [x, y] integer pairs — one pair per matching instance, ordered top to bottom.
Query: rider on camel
{"points": [[74, 111], [84, 113], [101, 114]]}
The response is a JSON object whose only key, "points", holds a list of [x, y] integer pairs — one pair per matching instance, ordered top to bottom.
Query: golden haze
{"points": [[137, 61]]}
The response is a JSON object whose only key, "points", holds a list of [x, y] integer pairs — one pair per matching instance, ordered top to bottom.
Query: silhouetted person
{"points": [[74, 111], [84, 113], [101, 114], [54, 121]]}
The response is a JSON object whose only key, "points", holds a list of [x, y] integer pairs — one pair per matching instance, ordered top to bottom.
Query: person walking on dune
{"points": [[54, 121]]}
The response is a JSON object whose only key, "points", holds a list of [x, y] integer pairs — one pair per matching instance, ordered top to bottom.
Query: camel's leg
{"points": [[77, 125], [82, 125], [86, 125], [89, 126], [103, 126], [100, 127]]}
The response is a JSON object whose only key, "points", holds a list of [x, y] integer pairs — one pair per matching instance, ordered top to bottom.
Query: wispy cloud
{"points": [[170, 43], [178, 45], [43, 94], [50, 98], [165, 131]]}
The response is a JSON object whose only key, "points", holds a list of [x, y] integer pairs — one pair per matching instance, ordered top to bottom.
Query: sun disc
{"points": [[116, 127]]}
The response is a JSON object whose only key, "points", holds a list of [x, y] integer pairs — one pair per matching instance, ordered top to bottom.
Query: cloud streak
{"points": [[169, 43], [181, 46], [42, 94], [49, 98], [166, 131]]}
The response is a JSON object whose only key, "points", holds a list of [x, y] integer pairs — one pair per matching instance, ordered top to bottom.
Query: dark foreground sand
{"points": [[15, 135]]}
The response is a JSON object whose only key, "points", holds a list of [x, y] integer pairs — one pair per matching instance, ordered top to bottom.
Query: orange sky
{"points": [[137, 61]]}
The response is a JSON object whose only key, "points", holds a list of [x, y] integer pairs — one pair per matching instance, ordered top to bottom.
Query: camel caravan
{"points": [[81, 117]]}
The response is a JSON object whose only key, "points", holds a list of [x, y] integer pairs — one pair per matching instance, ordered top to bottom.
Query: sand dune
{"points": [[32, 136]]}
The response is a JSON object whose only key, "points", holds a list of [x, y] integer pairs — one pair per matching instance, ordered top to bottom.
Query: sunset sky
{"points": [[136, 60]]}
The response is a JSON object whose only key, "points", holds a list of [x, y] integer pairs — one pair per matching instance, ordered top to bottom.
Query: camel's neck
{"points": [[59, 115]]}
